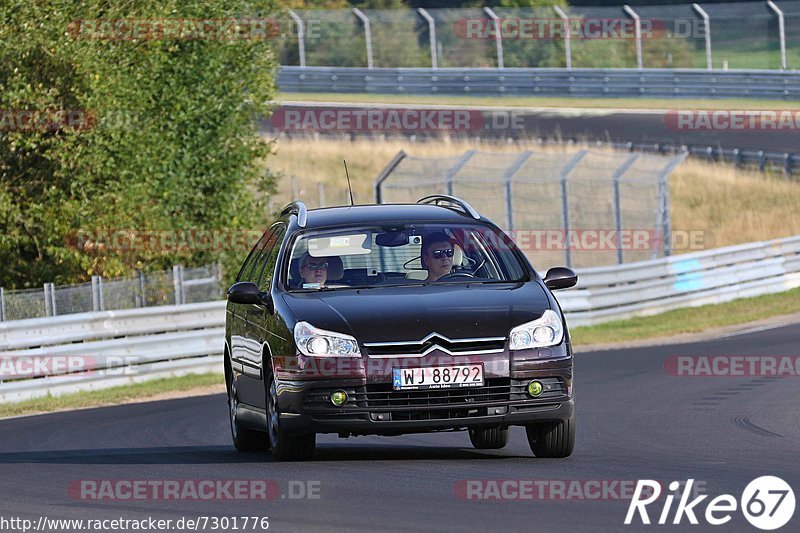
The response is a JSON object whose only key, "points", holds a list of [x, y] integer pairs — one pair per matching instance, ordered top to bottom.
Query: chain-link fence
{"points": [[743, 35], [581, 209], [177, 286]]}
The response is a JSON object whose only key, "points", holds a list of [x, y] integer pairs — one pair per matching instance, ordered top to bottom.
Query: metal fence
{"points": [[743, 35], [546, 82], [552, 196], [171, 287]]}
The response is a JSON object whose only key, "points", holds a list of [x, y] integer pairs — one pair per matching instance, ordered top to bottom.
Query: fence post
{"points": [[707, 24], [638, 29], [781, 31], [367, 34], [432, 34], [497, 36], [301, 38], [567, 40], [455, 169], [565, 172], [385, 174], [508, 179], [294, 189], [321, 192], [617, 207], [667, 220], [217, 272], [177, 283], [140, 286], [96, 293], [46, 299], [2, 304], [53, 307]]}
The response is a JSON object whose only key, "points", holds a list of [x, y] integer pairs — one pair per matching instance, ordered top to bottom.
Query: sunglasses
{"points": [[437, 254], [317, 266]]}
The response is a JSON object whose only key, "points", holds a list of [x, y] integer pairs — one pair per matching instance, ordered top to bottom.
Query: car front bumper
{"points": [[373, 408]]}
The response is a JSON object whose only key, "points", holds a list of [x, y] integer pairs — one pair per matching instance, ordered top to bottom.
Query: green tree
{"points": [[167, 143]]}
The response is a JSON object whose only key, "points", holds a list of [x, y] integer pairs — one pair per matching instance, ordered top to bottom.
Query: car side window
{"points": [[267, 268], [246, 272]]}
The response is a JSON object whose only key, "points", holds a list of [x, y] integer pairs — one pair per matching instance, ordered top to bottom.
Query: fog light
{"points": [[535, 388], [338, 398]]}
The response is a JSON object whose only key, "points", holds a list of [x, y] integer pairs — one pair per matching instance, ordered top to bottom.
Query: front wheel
{"points": [[488, 438], [244, 439], [552, 439], [285, 447]]}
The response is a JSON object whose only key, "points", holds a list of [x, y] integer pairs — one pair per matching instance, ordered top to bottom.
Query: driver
{"points": [[437, 255], [314, 269]]}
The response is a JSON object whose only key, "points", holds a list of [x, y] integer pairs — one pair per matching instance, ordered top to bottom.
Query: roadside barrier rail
{"points": [[127, 346]]}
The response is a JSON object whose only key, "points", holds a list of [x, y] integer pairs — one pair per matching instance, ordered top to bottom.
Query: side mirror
{"points": [[560, 278], [245, 292]]}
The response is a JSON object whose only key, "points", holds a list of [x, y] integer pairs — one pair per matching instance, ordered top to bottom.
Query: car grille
{"points": [[425, 346], [434, 404]]}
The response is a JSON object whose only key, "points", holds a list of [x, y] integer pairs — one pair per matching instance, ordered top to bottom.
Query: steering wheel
{"points": [[456, 275]]}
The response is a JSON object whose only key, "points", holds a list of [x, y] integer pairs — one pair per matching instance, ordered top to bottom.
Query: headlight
{"points": [[544, 331], [316, 342]]}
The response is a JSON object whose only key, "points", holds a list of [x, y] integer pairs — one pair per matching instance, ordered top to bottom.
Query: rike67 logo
{"points": [[767, 503]]}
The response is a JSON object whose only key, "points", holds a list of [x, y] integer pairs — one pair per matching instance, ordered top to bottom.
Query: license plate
{"points": [[438, 377]]}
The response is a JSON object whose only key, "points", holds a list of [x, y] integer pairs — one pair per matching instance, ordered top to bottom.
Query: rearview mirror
{"points": [[392, 239], [560, 278]]}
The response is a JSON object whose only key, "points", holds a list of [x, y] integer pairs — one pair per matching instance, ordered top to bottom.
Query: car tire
{"points": [[488, 438], [244, 439], [552, 439], [284, 446]]}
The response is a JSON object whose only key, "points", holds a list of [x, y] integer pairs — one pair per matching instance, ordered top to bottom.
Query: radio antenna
{"points": [[349, 187]]}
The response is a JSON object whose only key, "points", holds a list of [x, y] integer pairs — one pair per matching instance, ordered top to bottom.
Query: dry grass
{"points": [[732, 206]]}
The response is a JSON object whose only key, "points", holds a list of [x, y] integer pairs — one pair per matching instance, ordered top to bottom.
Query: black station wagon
{"points": [[391, 319]]}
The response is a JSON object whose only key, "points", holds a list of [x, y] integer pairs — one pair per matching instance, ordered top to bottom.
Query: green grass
{"points": [[517, 101], [690, 319], [115, 395]]}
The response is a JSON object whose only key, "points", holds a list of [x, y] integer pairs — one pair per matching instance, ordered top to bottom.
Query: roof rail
{"points": [[436, 198], [297, 208]]}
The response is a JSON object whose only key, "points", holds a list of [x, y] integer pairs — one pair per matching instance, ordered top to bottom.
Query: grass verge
{"points": [[540, 101], [689, 319], [112, 396]]}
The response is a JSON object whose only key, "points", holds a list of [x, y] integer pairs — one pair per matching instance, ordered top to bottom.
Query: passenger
{"points": [[437, 255], [314, 269]]}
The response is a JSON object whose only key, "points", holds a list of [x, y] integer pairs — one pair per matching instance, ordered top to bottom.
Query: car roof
{"points": [[384, 213]]}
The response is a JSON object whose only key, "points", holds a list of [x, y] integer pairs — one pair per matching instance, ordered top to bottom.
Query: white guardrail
{"points": [[63, 354]]}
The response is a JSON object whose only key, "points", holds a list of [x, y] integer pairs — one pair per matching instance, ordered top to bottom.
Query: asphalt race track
{"points": [[637, 126], [636, 421]]}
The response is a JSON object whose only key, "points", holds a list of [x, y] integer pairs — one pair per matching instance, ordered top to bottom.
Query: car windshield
{"points": [[401, 254]]}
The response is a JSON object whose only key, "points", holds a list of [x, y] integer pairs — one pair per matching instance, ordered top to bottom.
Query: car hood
{"points": [[390, 314]]}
